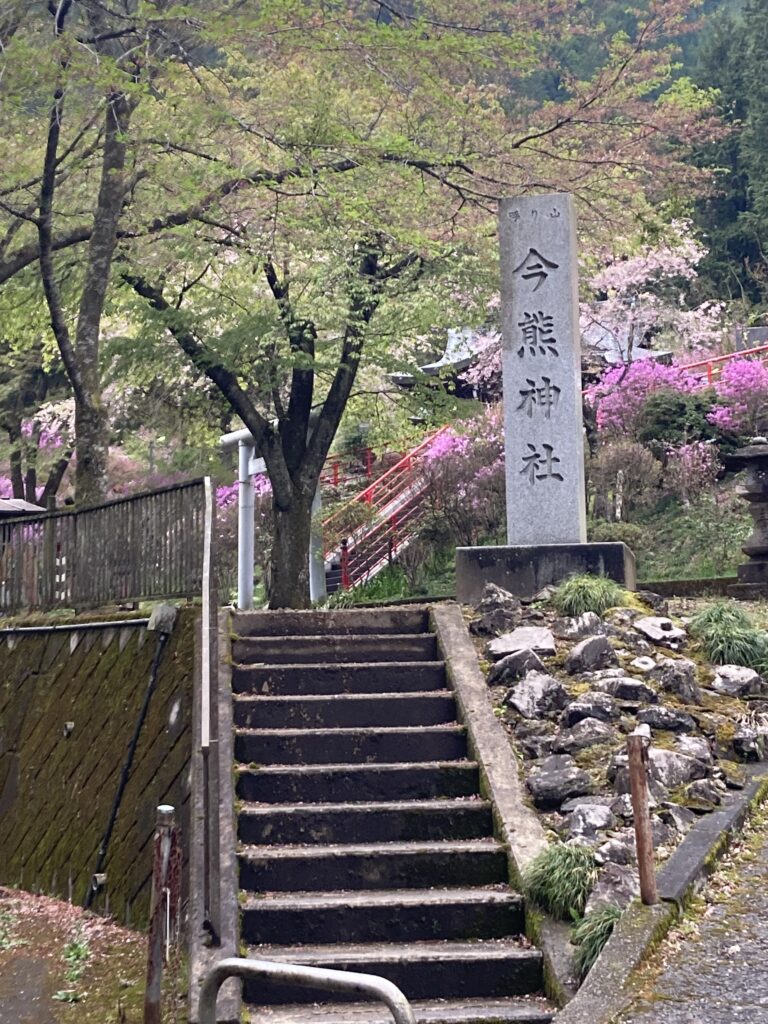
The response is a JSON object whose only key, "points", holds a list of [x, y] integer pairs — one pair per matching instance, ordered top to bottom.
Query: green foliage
{"points": [[670, 417], [627, 533], [694, 542], [391, 584], [585, 593], [728, 636], [560, 879], [590, 935], [76, 954]]}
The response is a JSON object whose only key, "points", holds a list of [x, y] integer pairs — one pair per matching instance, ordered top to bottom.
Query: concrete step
{"points": [[342, 622], [354, 647], [370, 677], [344, 710], [351, 746], [280, 784], [404, 821], [372, 866], [399, 915], [421, 970], [520, 1010]]}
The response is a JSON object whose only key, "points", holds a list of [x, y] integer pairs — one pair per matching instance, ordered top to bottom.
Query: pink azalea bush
{"points": [[742, 394], [619, 397], [691, 470]]}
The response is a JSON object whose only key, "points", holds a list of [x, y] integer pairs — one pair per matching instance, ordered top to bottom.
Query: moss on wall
{"points": [[58, 781]]}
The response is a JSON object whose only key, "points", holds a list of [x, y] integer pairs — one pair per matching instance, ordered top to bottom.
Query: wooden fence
{"points": [[131, 549]]}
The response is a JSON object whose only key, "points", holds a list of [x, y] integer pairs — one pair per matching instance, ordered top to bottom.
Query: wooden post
{"points": [[637, 751], [161, 864]]}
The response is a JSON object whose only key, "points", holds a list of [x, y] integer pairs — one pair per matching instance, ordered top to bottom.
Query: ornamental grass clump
{"points": [[584, 593], [727, 636], [560, 879], [590, 935]]}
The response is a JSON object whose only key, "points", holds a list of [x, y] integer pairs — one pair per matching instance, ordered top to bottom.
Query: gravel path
{"points": [[719, 973]]}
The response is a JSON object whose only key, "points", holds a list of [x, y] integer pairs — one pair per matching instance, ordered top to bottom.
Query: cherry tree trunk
{"points": [[289, 567]]}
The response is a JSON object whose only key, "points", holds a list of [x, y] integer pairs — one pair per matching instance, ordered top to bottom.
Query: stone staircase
{"points": [[363, 841]]}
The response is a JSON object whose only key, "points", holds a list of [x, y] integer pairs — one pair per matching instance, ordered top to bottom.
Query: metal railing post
{"points": [[307, 977]]}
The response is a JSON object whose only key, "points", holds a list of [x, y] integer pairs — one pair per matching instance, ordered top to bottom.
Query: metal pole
{"points": [[245, 527], [317, 589], [637, 751], [160, 864], [308, 977]]}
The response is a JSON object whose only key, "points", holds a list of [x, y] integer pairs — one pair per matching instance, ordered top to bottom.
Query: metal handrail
{"points": [[307, 977]]}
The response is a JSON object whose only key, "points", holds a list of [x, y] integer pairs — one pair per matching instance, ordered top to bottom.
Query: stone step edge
{"points": [[326, 637], [333, 665], [316, 698], [368, 730], [354, 766], [260, 809], [429, 846], [349, 898], [396, 952], [522, 1009]]}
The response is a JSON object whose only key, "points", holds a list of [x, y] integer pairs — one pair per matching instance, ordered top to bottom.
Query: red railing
{"points": [[711, 367], [394, 502]]}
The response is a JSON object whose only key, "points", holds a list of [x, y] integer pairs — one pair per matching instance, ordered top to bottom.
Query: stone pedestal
{"points": [[526, 569], [753, 575]]}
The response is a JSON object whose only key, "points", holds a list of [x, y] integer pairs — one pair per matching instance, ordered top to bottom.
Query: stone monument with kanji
{"points": [[543, 423]]}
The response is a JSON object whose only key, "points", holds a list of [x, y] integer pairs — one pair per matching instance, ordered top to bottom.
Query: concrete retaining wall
{"points": [[69, 703]]}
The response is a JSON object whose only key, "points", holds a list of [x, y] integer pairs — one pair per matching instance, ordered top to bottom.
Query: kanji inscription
{"points": [[541, 358]]}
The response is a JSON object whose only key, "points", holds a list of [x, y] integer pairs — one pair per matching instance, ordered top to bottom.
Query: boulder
{"points": [[655, 601], [498, 612], [587, 624], [661, 631], [533, 638], [588, 655], [644, 664], [514, 666], [678, 676], [738, 681], [635, 691], [537, 695], [592, 705], [668, 719], [587, 732], [534, 739], [749, 744], [695, 746], [673, 770], [734, 775], [618, 776], [556, 779], [702, 795], [592, 800], [622, 806], [679, 818], [589, 819], [616, 850], [617, 885]]}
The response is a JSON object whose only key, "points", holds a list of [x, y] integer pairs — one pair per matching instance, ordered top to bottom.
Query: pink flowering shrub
{"points": [[742, 394], [619, 397], [691, 470], [464, 471], [6, 487], [226, 537]]}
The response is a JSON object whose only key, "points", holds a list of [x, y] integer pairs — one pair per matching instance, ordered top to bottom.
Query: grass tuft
{"points": [[585, 593], [728, 636], [560, 880], [590, 935]]}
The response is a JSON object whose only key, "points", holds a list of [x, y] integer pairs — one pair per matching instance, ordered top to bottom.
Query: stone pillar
{"points": [[541, 359], [543, 428]]}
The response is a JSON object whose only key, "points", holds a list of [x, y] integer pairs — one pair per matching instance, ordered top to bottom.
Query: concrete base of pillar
{"points": [[524, 570]]}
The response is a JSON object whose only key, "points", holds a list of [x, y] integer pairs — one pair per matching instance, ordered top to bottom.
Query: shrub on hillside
{"points": [[624, 478], [627, 533], [585, 593], [729, 637], [560, 879], [590, 935]]}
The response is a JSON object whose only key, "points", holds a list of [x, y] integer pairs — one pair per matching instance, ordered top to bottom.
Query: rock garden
{"points": [[571, 675]]}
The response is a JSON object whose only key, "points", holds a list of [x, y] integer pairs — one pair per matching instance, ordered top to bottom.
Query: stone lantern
{"points": [[753, 575]]}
